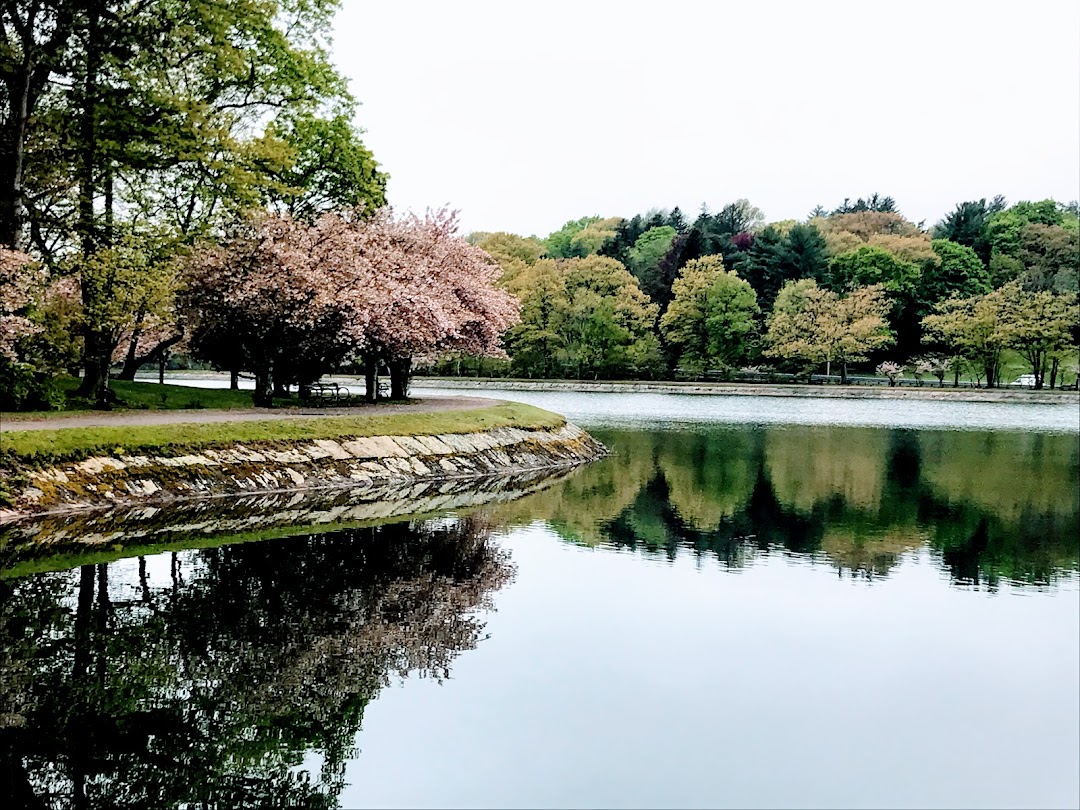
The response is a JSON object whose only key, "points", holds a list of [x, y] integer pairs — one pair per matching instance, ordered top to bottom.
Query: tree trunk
{"points": [[25, 83], [12, 159], [97, 348], [161, 352], [97, 357], [130, 358], [162, 362], [1054, 363], [400, 371], [843, 372], [956, 375], [371, 379], [234, 380], [280, 389], [263, 396]]}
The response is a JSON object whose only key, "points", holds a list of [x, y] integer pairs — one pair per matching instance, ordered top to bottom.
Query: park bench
{"points": [[322, 394]]}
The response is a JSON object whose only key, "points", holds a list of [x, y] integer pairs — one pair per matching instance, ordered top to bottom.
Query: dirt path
{"points": [[131, 418]]}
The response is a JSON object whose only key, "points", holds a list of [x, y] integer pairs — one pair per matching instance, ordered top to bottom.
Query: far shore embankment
{"points": [[926, 392]]}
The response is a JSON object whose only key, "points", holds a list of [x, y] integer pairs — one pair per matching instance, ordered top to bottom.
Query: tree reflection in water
{"points": [[988, 505], [207, 678]]}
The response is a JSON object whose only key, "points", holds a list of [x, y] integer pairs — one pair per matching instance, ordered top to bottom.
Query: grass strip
{"points": [[147, 396], [74, 443]]}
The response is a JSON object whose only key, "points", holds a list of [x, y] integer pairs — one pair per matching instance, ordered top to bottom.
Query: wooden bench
{"points": [[322, 394]]}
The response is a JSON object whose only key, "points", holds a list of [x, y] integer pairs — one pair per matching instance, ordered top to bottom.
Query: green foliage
{"points": [[329, 167], [967, 225], [594, 236], [561, 245], [778, 256], [645, 257], [872, 265], [957, 271], [582, 317], [712, 319], [817, 325], [972, 328]]}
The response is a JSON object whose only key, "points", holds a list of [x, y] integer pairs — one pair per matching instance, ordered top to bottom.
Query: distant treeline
{"points": [[660, 295]]}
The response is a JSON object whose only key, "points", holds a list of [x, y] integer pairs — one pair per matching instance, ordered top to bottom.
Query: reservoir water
{"points": [[752, 602]]}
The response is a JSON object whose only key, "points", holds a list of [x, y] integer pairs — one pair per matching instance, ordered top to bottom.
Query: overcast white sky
{"points": [[524, 115]]}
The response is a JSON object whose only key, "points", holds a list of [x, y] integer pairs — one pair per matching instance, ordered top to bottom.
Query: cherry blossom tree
{"points": [[21, 281], [436, 294], [270, 300], [290, 301]]}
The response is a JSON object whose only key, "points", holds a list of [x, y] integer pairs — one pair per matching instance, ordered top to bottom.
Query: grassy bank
{"points": [[144, 396], [74, 443]]}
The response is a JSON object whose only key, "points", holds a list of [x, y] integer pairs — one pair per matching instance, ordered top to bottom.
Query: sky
{"points": [[525, 115]]}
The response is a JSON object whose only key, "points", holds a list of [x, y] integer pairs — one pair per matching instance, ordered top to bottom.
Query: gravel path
{"points": [[132, 418]]}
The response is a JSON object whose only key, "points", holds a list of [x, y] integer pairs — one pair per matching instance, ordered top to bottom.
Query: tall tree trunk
{"points": [[24, 83], [12, 160], [1054, 363], [400, 371], [843, 372], [371, 379], [234, 380], [95, 381], [263, 397]]}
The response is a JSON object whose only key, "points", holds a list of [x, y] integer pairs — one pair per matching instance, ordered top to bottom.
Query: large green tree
{"points": [[168, 115], [967, 225], [646, 259], [582, 317], [712, 319], [816, 326]]}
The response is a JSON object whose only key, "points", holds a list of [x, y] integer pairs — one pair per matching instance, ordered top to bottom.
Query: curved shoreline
{"points": [[759, 390], [109, 467]]}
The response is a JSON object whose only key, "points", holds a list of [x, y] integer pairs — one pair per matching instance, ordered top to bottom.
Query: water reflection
{"points": [[989, 505], [205, 677]]}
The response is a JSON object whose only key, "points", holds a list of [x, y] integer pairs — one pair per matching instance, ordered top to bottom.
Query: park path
{"points": [[134, 418]]}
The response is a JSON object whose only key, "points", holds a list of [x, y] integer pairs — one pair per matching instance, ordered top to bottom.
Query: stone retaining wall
{"points": [[757, 390], [356, 463], [50, 541]]}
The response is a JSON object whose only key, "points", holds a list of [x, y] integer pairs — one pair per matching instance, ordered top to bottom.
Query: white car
{"points": [[1025, 380]]}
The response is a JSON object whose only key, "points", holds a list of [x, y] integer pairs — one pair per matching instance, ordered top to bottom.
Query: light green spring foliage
{"points": [[327, 167], [592, 237], [560, 244], [649, 249], [511, 252], [869, 265], [125, 283], [582, 317], [712, 319], [1038, 324], [817, 325]]}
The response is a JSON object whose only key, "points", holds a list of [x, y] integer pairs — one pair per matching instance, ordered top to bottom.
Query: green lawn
{"points": [[151, 396], [79, 442]]}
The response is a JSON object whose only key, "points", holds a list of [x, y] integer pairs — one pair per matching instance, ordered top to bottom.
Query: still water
{"points": [[733, 609]]}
